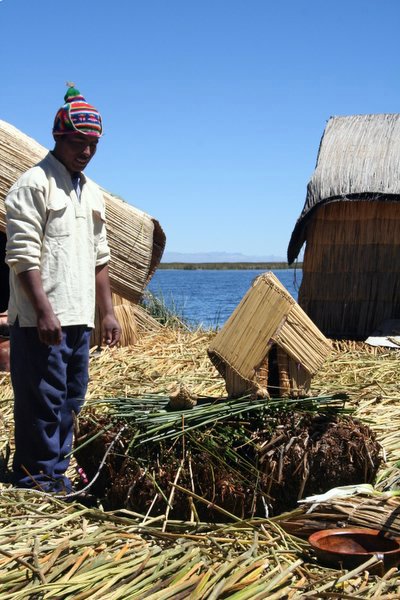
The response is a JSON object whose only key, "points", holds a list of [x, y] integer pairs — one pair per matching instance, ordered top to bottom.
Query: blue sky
{"points": [[213, 110]]}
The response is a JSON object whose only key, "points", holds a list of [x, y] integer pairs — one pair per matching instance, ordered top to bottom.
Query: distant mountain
{"points": [[215, 257]]}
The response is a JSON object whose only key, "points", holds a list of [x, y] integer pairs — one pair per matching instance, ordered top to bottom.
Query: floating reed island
{"points": [[68, 551]]}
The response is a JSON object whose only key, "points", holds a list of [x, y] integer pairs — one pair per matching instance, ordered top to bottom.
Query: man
{"points": [[57, 253]]}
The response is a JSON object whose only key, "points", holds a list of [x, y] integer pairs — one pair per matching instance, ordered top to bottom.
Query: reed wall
{"points": [[351, 267]]}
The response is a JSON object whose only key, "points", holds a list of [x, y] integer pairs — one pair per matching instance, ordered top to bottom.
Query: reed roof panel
{"points": [[358, 159], [266, 315]]}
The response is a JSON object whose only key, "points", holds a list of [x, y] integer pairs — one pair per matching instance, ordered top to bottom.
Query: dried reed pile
{"points": [[136, 239], [351, 272], [154, 365], [369, 377], [51, 550], [247, 559]]}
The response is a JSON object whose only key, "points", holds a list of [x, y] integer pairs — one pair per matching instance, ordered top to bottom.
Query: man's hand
{"points": [[48, 325], [49, 328], [110, 328], [111, 331]]}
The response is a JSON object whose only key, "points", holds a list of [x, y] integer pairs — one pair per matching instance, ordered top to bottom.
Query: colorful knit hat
{"points": [[77, 116]]}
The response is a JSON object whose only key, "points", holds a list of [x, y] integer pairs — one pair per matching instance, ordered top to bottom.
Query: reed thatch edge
{"points": [[358, 158]]}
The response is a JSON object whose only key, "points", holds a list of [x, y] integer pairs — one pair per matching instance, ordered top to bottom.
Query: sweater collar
{"points": [[61, 169]]}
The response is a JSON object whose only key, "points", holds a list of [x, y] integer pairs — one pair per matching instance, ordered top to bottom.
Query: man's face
{"points": [[75, 150]]}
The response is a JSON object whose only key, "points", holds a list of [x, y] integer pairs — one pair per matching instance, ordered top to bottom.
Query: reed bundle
{"points": [[136, 240], [134, 320], [144, 321], [157, 424], [370, 511], [378, 511]]}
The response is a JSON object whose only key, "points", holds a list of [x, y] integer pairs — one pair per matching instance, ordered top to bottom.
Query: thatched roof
{"points": [[358, 159], [136, 240], [266, 315]]}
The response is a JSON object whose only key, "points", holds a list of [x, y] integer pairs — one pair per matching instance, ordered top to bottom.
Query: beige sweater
{"points": [[49, 229]]}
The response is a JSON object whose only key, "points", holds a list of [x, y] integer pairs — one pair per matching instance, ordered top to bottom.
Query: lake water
{"points": [[208, 297]]}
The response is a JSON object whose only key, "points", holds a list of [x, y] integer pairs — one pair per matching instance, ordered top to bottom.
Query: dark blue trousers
{"points": [[49, 384]]}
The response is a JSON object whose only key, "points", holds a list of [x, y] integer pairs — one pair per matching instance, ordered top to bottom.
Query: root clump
{"points": [[252, 466]]}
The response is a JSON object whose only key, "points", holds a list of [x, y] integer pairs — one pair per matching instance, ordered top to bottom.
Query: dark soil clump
{"points": [[246, 468]]}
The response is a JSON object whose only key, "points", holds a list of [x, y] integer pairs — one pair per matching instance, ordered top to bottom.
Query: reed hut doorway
{"points": [[350, 225], [4, 275]]}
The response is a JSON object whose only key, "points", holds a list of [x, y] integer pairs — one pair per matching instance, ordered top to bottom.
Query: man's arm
{"points": [[25, 219], [48, 325], [111, 330]]}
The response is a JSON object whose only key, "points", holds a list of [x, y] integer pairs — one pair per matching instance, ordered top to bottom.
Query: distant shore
{"points": [[225, 266]]}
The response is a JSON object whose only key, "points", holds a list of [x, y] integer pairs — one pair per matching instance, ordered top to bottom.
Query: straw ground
{"points": [[49, 549]]}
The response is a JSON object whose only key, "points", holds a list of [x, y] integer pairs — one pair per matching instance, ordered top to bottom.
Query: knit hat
{"points": [[77, 116]]}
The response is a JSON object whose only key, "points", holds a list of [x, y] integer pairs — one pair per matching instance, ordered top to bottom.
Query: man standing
{"points": [[58, 254]]}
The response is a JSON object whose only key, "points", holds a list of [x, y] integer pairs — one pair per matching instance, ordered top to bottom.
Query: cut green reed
{"points": [[150, 415]]}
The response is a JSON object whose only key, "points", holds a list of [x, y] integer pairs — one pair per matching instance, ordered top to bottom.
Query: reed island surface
{"points": [[185, 510]]}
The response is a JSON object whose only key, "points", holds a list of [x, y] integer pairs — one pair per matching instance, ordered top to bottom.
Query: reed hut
{"points": [[350, 226], [136, 239], [268, 346]]}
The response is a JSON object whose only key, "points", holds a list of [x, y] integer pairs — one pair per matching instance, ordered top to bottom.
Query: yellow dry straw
{"points": [[369, 377], [55, 550]]}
